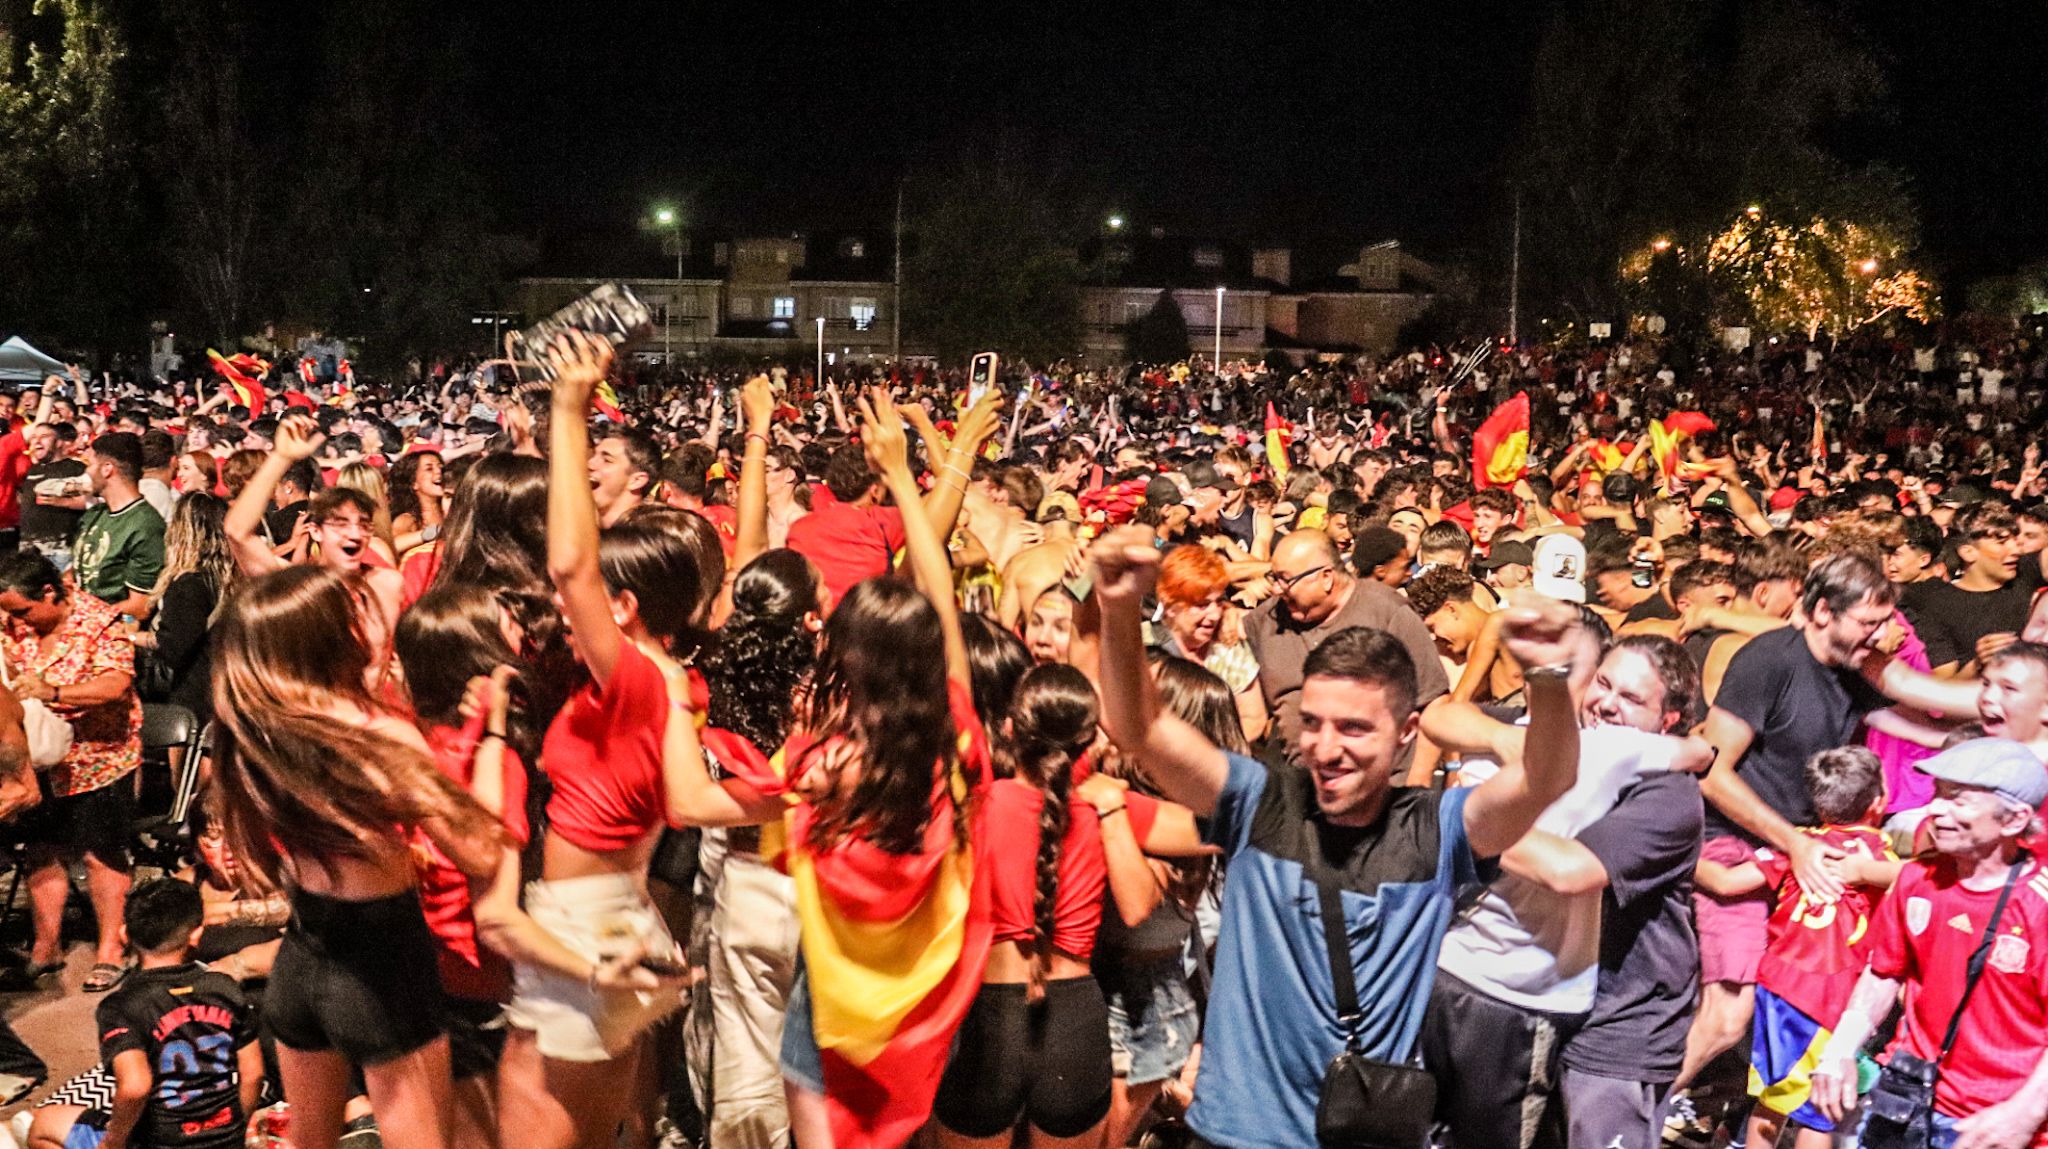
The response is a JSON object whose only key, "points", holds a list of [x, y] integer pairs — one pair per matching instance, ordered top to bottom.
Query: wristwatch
{"points": [[1555, 672]]}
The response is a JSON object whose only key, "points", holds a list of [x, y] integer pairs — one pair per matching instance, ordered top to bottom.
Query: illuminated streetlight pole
{"points": [[668, 218], [1218, 364], [820, 381]]}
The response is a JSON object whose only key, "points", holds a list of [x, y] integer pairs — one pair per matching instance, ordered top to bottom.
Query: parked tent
{"points": [[21, 363]]}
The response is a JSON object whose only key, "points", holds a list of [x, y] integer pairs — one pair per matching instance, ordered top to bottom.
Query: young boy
{"points": [[1815, 952], [176, 1039]]}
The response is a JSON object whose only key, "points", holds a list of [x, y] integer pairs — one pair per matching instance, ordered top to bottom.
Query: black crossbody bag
{"points": [[1902, 1102], [1365, 1103]]}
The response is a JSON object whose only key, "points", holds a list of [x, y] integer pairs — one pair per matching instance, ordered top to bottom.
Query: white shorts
{"points": [[599, 918]]}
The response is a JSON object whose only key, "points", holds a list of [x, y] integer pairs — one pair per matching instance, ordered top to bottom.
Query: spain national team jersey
{"points": [[1816, 952]]}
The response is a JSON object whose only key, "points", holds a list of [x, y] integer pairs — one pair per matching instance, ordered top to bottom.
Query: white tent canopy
{"points": [[20, 362]]}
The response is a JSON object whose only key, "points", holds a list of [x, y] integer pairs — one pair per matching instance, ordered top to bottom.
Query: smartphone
{"points": [[611, 310], [981, 376], [1643, 576]]}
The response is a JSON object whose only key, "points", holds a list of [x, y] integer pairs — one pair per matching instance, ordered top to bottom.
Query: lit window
{"points": [[785, 307], [862, 311]]}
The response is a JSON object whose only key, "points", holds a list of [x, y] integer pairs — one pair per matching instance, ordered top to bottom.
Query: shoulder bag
{"points": [[1365, 1103]]}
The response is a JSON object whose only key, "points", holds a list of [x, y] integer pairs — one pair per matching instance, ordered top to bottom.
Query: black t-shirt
{"points": [[43, 523], [279, 523], [1240, 528], [1654, 607], [1950, 619], [1795, 707], [1649, 955], [191, 1023]]}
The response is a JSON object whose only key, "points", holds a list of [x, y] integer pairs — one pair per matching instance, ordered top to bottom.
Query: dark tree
{"points": [[990, 268], [1161, 334]]}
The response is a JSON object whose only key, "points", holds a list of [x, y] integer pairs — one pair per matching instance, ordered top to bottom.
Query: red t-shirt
{"points": [[14, 463], [726, 521], [848, 543], [417, 570], [603, 754], [1012, 843], [1925, 932], [1816, 953], [468, 970]]}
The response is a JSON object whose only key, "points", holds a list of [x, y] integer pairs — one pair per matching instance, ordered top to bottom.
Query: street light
{"points": [[668, 218], [1116, 223], [1661, 244], [1868, 266], [1218, 364], [820, 380]]}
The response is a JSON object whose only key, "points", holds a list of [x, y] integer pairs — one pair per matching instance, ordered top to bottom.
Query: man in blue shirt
{"points": [[1397, 854]]}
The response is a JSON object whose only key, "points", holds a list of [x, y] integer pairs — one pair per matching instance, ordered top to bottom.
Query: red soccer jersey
{"points": [[848, 543], [1924, 935], [1816, 953]]}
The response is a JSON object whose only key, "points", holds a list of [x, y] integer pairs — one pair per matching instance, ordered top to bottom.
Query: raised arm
{"points": [[580, 363], [757, 407], [298, 437], [888, 450], [957, 465], [1543, 636], [1902, 683], [1187, 766]]}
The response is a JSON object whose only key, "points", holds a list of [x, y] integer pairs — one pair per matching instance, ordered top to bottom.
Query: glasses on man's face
{"points": [[1287, 582]]}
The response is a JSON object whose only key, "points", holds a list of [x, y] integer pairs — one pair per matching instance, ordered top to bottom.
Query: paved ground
{"points": [[57, 1023]]}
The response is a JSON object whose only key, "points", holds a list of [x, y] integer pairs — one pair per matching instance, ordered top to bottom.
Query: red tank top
{"points": [[603, 754], [1011, 869], [468, 970]]}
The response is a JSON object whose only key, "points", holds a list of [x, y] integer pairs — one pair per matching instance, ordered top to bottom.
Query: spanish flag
{"points": [[244, 374], [606, 401], [1279, 436], [1668, 437], [1500, 448], [1603, 457], [893, 948]]}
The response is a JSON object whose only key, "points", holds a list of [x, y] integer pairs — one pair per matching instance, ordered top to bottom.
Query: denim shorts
{"points": [[1153, 1022], [801, 1061]]}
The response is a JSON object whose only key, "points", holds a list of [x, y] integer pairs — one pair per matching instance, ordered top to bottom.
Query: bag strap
{"points": [[1335, 937], [1975, 970]]}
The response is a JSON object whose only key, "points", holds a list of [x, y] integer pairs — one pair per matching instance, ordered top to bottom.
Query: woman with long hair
{"points": [[416, 492], [198, 569], [614, 754], [887, 763], [325, 794], [1159, 875], [746, 939], [1035, 1046]]}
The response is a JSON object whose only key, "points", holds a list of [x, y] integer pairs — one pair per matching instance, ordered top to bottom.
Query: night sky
{"points": [[1335, 122]]}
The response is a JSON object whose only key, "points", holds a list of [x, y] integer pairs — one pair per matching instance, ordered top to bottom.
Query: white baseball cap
{"points": [[1560, 569]]}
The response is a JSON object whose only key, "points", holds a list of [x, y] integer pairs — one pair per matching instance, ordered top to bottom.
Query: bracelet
{"points": [[756, 435], [950, 465], [1555, 672], [488, 735], [1116, 809]]}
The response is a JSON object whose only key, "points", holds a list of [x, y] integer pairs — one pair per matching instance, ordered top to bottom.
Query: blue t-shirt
{"points": [[1272, 1028]]}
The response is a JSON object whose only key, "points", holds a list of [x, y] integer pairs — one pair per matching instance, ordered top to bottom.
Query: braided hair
{"points": [[1052, 722]]}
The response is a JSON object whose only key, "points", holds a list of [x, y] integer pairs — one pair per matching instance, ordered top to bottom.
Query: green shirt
{"points": [[119, 552]]}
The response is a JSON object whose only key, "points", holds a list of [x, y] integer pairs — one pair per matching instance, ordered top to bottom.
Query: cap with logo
{"points": [[1559, 568]]}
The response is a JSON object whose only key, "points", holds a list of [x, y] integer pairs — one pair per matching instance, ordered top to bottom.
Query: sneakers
{"points": [[14, 1087], [1683, 1126], [360, 1133]]}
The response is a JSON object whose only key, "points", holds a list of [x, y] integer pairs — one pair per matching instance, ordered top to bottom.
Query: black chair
{"points": [[171, 741]]}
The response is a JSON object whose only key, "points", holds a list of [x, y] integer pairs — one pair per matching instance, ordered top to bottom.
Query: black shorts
{"points": [[97, 822], [357, 978], [476, 1037], [1048, 1063]]}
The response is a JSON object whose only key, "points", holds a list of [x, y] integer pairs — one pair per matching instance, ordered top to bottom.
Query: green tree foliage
{"points": [[1656, 118], [68, 181], [990, 268], [1161, 334]]}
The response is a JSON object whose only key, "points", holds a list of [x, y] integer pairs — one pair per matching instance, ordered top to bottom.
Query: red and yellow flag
{"points": [[244, 374], [606, 401], [1279, 436], [1668, 437], [1500, 448], [893, 945]]}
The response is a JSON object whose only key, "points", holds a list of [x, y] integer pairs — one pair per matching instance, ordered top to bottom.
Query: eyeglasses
{"points": [[1287, 582]]}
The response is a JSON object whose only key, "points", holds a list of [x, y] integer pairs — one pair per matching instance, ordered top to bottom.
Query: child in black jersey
{"points": [[179, 1064]]}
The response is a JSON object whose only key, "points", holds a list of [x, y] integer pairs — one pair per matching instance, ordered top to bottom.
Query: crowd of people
{"points": [[1563, 745]]}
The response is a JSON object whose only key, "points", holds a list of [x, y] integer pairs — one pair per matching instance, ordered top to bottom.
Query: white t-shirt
{"points": [[1529, 946]]}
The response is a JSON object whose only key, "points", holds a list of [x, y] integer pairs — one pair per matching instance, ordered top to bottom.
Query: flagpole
{"points": [[1515, 278]]}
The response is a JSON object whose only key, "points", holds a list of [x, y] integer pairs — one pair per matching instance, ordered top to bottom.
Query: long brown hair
{"points": [[293, 778]]}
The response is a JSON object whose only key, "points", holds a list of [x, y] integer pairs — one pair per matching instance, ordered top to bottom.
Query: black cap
{"points": [[1161, 491], [1506, 553]]}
